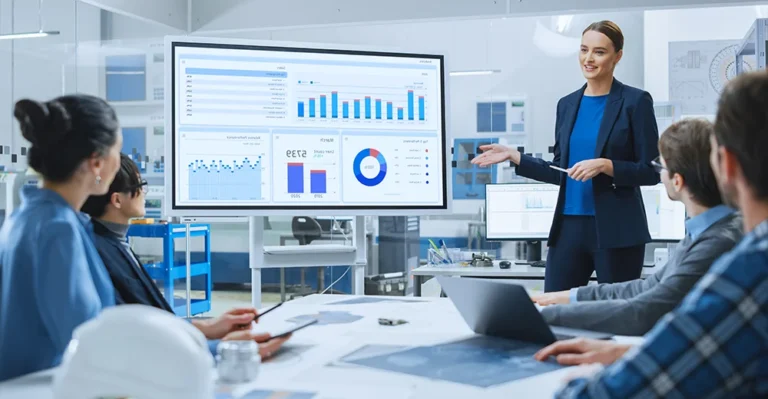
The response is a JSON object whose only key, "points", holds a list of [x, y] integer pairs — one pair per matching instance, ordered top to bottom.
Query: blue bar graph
{"points": [[334, 104], [410, 105], [323, 106], [367, 106], [295, 177], [219, 181], [317, 181]]}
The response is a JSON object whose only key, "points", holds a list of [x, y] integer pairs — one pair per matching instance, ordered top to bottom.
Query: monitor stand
{"points": [[533, 254]]}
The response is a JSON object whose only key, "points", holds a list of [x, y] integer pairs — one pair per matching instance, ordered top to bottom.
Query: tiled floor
{"points": [[224, 300]]}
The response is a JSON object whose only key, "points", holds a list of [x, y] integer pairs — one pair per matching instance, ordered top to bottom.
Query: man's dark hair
{"points": [[741, 127], [685, 147], [127, 181]]}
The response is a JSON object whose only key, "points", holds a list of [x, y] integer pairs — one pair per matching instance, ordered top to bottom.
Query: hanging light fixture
{"points": [[27, 35], [481, 71], [475, 72]]}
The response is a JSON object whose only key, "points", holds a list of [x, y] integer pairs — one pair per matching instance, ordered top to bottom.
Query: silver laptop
{"points": [[505, 310]]}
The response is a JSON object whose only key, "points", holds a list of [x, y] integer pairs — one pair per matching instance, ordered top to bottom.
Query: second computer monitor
{"points": [[519, 211], [524, 212], [666, 218]]}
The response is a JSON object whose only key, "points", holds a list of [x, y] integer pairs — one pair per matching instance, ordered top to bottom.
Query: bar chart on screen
{"points": [[359, 101], [306, 166], [235, 168]]}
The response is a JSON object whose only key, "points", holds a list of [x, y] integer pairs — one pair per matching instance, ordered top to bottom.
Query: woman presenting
{"points": [[605, 138]]}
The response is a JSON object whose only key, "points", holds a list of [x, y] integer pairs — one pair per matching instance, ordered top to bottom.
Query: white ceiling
{"points": [[220, 16]]}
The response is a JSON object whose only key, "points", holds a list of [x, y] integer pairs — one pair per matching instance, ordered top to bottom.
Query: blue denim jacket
{"points": [[51, 281]]}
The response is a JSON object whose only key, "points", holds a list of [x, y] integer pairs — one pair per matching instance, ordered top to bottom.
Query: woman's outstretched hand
{"points": [[493, 154]]}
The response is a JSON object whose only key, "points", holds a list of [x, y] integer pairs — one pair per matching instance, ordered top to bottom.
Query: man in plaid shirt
{"points": [[715, 344]]}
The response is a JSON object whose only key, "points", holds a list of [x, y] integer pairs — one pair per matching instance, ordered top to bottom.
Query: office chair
{"points": [[307, 229]]}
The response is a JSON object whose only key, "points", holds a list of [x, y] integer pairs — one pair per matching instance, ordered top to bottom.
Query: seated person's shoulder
{"points": [[732, 230], [747, 267]]}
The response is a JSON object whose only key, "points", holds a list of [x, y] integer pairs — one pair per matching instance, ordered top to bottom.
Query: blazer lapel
{"points": [[611, 113], [569, 119], [141, 274], [151, 286]]}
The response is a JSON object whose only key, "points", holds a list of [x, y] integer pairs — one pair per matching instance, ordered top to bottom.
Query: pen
{"points": [[558, 168], [432, 243], [445, 251], [437, 255], [268, 310]]}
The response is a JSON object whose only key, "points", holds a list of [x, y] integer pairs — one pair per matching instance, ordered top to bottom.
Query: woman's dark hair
{"points": [[609, 29], [65, 131], [685, 147], [127, 181]]}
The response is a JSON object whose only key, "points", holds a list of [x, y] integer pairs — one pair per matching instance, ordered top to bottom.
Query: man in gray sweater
{"points": [[633, 307]]}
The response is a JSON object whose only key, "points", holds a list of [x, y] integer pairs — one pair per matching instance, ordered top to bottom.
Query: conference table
{"points": [[530, 276], [322, 361]]}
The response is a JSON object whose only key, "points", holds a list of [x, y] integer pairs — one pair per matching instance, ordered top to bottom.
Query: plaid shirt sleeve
{"points": [[713, 345]]}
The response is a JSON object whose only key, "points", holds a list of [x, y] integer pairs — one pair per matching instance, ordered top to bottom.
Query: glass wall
{"points": [[507, 77]]}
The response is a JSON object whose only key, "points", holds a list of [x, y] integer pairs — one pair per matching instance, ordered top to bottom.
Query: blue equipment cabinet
{"points": [[469, 180], [169, 271]]}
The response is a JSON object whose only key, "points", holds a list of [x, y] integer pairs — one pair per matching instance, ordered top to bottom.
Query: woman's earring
{"points": [[98, 179]]}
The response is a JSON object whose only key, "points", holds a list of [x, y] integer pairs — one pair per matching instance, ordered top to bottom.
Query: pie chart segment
{"points": [[357, 167]]}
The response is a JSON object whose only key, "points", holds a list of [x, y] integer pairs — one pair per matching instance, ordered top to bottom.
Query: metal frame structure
{"points": [[755, 43]]}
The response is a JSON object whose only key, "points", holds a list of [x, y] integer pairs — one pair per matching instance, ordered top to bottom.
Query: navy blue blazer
{"points": [[629, 137], [132, 285]]}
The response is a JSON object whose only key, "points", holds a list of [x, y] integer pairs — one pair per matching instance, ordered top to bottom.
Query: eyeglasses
{"points": [[657, 166], [143, 187]]}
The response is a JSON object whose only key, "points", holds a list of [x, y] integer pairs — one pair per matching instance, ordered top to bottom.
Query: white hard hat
{"points": [[139, 352]]}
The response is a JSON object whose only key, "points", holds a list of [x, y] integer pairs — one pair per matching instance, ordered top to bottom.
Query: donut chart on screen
{"points": [[357, 167]]}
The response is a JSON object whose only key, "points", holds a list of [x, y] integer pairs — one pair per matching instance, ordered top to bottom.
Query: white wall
{"points": [[121, 27], [663, 27], [42, 68]]}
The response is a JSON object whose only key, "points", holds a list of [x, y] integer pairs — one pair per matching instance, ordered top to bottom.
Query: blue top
{"points": [[579, 198], [700, 223], [695, 227], [52, 280], [712, 345]]}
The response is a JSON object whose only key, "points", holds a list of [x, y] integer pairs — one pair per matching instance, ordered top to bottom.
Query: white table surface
{"points": [[515, 271], [430, 321]]}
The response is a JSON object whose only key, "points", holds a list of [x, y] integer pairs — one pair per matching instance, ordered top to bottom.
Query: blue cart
{"points": [[169, 270]]}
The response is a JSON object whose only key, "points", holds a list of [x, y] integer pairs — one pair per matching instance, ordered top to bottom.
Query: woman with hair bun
{"points": [[51, 276]]}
